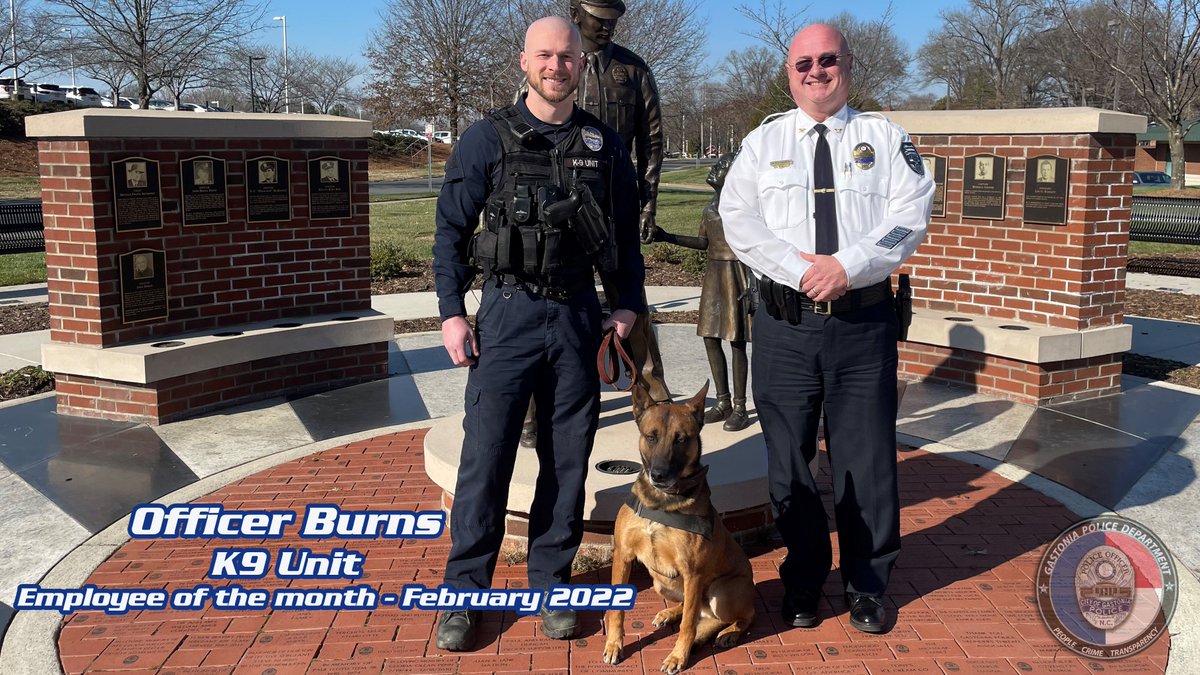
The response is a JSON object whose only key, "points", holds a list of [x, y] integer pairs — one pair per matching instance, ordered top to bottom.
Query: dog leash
{"points": [[611, 357]]}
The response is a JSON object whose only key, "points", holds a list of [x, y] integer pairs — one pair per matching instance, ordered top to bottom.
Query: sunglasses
{"points": [[824, 60]]}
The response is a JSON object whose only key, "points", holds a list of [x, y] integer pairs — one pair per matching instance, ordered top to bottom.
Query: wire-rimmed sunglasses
{"points": [[824, 60]]}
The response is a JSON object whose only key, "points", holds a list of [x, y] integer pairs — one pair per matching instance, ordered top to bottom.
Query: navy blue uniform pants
{"points": [[528, 346], [847, 364]]}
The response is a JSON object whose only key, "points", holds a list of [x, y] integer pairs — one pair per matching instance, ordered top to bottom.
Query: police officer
{"points": [[546, 175], [823, 204]]}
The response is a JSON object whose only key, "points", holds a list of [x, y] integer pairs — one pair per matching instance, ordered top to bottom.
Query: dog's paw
{"points": [[667, 617], [727, 639], [612, 653], [673, 663]]}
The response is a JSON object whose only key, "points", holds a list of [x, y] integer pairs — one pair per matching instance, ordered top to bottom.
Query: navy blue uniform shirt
{"points": [[470, 173]]}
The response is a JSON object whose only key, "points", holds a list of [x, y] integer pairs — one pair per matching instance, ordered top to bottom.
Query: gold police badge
{"points": [[620, 75], [864, 156]]}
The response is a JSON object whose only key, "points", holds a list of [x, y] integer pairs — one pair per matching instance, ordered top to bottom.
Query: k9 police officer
{"points": [[559, 199], [823, 204]]}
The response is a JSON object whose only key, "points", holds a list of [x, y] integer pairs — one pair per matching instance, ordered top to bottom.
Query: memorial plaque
{"points": [[935, 165], [1046, 181], [202, 184], [983, 187], [328, 188], [268, 190], [137, 194], [143, 286]]}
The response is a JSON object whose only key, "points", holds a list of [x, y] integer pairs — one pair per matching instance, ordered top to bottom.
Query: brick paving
{"points": [[962, 589]]}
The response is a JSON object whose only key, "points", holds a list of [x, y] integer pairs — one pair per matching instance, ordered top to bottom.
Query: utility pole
{"points": [[12, 15], [71, 48], [253, 105]]}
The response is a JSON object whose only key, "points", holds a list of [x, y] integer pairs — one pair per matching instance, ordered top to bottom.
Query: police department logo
{"points": [[620, 75], [593, 139], [864, 156], [912, 158], [1106, 587]]}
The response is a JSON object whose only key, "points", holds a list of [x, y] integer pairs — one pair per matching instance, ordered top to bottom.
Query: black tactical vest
{"points": [[535, 174]]}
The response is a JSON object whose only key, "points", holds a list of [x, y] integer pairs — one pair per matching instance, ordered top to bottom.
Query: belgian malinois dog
{"points": [[669, 525]]}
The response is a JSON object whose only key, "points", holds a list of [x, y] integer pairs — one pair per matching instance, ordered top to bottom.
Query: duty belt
{"points": [[558, 293], [786, 303]]}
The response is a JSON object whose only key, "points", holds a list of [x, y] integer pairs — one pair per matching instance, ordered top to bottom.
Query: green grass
{"points": [[693, 176], [19, 187], [400, 198], [1156, 248], [22, 268]]}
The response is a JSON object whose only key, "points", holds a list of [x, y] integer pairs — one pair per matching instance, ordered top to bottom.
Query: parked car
{"points": [[24, 91], [44, 92], [84, 97], [159, 104], [192, 107], [443, 137], [1151, 178]]}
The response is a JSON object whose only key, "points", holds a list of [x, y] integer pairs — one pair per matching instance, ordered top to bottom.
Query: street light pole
{"points": [[12, 15], [1113, 23], [71, 48], [286, 103], [253, 105]]}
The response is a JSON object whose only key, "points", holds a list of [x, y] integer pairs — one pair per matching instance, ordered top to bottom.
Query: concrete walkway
{"points": [[65, 485]]}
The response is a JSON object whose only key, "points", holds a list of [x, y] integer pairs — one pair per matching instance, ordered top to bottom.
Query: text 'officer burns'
{"points": [[559, 199]]}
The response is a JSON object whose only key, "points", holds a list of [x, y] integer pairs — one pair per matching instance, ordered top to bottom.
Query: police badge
{"points": [[620, 75], [593, 139], [864, 156], [1104, 587]]}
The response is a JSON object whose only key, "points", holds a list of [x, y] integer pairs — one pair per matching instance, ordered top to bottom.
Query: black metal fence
{"points": [[1171, 220]]}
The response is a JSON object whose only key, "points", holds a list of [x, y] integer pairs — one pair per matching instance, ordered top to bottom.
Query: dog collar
{"points": [[701, 525]]}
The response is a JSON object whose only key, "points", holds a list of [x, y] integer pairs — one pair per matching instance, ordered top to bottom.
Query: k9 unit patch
{"points": [[912, 158], [582, 163], [897, 235]]}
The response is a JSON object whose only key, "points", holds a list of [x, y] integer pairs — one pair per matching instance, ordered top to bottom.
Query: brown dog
{"points": [[674, 531]]}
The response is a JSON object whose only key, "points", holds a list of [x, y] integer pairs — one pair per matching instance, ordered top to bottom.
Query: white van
{"points": [[443, 137]]}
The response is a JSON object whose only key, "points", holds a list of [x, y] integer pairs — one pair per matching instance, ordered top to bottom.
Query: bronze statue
{"points": [[617, 86], [724, 304]]}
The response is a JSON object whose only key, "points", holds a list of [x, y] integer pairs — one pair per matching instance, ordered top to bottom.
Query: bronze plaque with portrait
{"points": [[935, 165], [1046, 181], [202, 184], [983, 187], [328, 188], [268, 190], [137, 194], [143, 286]]}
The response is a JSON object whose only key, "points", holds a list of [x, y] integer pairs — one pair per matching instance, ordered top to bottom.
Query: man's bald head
{"points": [[548, 28], [819, 91]]}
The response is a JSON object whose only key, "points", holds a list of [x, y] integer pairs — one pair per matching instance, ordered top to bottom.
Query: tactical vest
{"points": [[535, 174]]}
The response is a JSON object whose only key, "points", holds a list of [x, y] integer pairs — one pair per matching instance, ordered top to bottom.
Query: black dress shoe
{"points": [[800, 609], [867, 612], [559, 624], [456, 630]]}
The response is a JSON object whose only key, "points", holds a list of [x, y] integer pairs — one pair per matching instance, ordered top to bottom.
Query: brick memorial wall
{"points": [[255, 284], [1009, 301]]}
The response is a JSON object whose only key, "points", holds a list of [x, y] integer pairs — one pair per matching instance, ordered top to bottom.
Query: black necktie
{"points": [[826, 207]]}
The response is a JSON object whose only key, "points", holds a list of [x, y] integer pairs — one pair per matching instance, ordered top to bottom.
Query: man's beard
{"points": [[552, 97]]}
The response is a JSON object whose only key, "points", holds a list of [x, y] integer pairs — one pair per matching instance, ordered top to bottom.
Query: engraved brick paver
{"points": [[961, 595]]}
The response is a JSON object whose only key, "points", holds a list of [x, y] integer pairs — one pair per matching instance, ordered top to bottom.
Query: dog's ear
{"points": [[641, 400], [695, 404]]}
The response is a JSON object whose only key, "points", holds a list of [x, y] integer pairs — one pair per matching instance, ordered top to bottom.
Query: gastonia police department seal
{"points": [[593, 139], [1107, 587]]}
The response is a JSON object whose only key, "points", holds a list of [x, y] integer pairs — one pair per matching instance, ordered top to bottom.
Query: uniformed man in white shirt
{"points": [[823, 204]]}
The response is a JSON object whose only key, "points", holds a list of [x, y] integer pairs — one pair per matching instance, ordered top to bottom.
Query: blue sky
{"points": [[340, 28]]}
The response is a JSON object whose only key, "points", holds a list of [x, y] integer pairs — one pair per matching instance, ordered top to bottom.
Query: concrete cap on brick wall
{"points": [[1025, 121], [119, 123]]}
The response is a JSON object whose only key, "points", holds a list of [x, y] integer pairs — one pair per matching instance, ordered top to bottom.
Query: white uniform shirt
{"points": [[883, 203]]}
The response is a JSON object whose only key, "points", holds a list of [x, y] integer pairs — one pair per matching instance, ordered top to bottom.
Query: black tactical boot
{"points": [[559, 624], [456, 629]]}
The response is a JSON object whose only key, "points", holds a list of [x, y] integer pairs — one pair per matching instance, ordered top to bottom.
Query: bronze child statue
{"points": [[724, 305]]}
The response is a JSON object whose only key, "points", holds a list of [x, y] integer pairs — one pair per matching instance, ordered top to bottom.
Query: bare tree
{"points": [[775, 23], [38, 37], [998, 37], [161, 40], [1156, 51], [880, 59], [100, 66], [326, 81]]}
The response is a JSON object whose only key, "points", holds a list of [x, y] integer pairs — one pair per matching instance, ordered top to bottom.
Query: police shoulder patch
{"points": [[593, 139], [912, 158], [893, 238]]}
